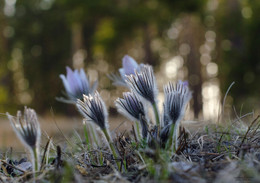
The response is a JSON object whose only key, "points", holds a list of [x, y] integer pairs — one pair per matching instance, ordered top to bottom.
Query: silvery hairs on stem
{"points": [[129, 67], [76, 83], [143, 83], [131, 107], [94, 109], [26, 127]]}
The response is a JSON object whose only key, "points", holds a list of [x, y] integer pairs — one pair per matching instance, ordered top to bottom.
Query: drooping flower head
{"points": [[129, 67], [143, 83], [76, 84], [131, 107], [93, 109], [26, 127]]}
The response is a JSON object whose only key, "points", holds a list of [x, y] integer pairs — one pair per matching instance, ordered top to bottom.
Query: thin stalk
{"points": [[156, 113], [144, 126], [138, 130], [93, 134], [86, 135], [176, 135], [169, 143], [111, 145], [35, 158], [101, 158], [125, 165]]}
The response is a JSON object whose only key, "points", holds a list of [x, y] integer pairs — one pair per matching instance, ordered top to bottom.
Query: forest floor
{"points": [[206, 153]]}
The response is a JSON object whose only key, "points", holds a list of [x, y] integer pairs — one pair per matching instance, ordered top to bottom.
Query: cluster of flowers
{"points": [[140, 80]]}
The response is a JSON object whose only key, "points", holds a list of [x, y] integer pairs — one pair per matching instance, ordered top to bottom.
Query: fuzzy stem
{"points": [[156, 113], [144, 127], [138, 130], [176, 135], [169, 143], [111, 145], [35, 158]]}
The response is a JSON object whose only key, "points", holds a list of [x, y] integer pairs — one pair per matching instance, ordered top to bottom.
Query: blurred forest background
{"points": [[210, 43]]}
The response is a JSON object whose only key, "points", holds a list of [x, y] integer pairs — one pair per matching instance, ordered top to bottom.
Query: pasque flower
{"points": [[129, 67], [76, 84], [143, 84], [176, 99], [131, 107], [93, 109], [27, 129]]}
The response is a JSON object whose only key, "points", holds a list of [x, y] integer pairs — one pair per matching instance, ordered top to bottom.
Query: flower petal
{"points": [[129, 65], [84, 81], [65, 83], [73, 83]]}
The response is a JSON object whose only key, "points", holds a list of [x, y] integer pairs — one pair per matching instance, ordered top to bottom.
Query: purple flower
{"points": [[130, 66], [143, 83], [184, 83], [76, 84], [176, 99], [131, 107], [94, 109], [26, 127]]}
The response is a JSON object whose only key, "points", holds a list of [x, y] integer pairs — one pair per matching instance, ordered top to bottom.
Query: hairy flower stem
{"points": [[156, 113], [138, 130], [171, 137], [112, 147], [35, 158]]}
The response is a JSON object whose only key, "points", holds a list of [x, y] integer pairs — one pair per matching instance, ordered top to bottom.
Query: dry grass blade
{"points": [[220, 117], [248, 129], [253, 134], [46, 148]]}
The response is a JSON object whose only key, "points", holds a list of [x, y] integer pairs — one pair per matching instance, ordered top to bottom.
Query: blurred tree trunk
{"points": [[192, 34], [77, 42], [148, 58], [6, 79]]}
